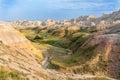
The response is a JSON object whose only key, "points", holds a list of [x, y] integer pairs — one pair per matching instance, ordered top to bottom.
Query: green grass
{"points": [[71, 40], [81, 57], [53, 66], [6, 75], [95, 79]]}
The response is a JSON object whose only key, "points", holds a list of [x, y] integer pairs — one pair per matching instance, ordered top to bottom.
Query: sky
{"points": [[54, 9]]}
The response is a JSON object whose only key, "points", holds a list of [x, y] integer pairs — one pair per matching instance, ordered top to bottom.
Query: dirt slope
{"points": [[17, 53]]}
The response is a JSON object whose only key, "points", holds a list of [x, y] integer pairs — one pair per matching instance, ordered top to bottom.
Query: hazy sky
{"points": [[54, 9]]}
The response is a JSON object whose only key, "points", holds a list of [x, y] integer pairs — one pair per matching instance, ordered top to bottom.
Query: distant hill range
{"points": [[82, 21]]}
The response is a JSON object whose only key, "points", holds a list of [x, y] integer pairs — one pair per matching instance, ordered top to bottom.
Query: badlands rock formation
{"points": [[83, 21], [18, 53]]}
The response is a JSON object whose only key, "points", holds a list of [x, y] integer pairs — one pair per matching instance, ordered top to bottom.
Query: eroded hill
{"points": [[84, 48], [79, 51], [20, 60]]}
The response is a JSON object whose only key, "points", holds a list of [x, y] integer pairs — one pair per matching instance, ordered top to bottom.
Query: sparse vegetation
{"points": [[38, 37], [70, 40], [63, 41], [84, 48], [103, 65], [53, 66], [11, 75], [95, 79]]}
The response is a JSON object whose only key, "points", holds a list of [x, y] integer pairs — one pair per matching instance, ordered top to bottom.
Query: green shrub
{"points": [[38, 37], [53, 66]]}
